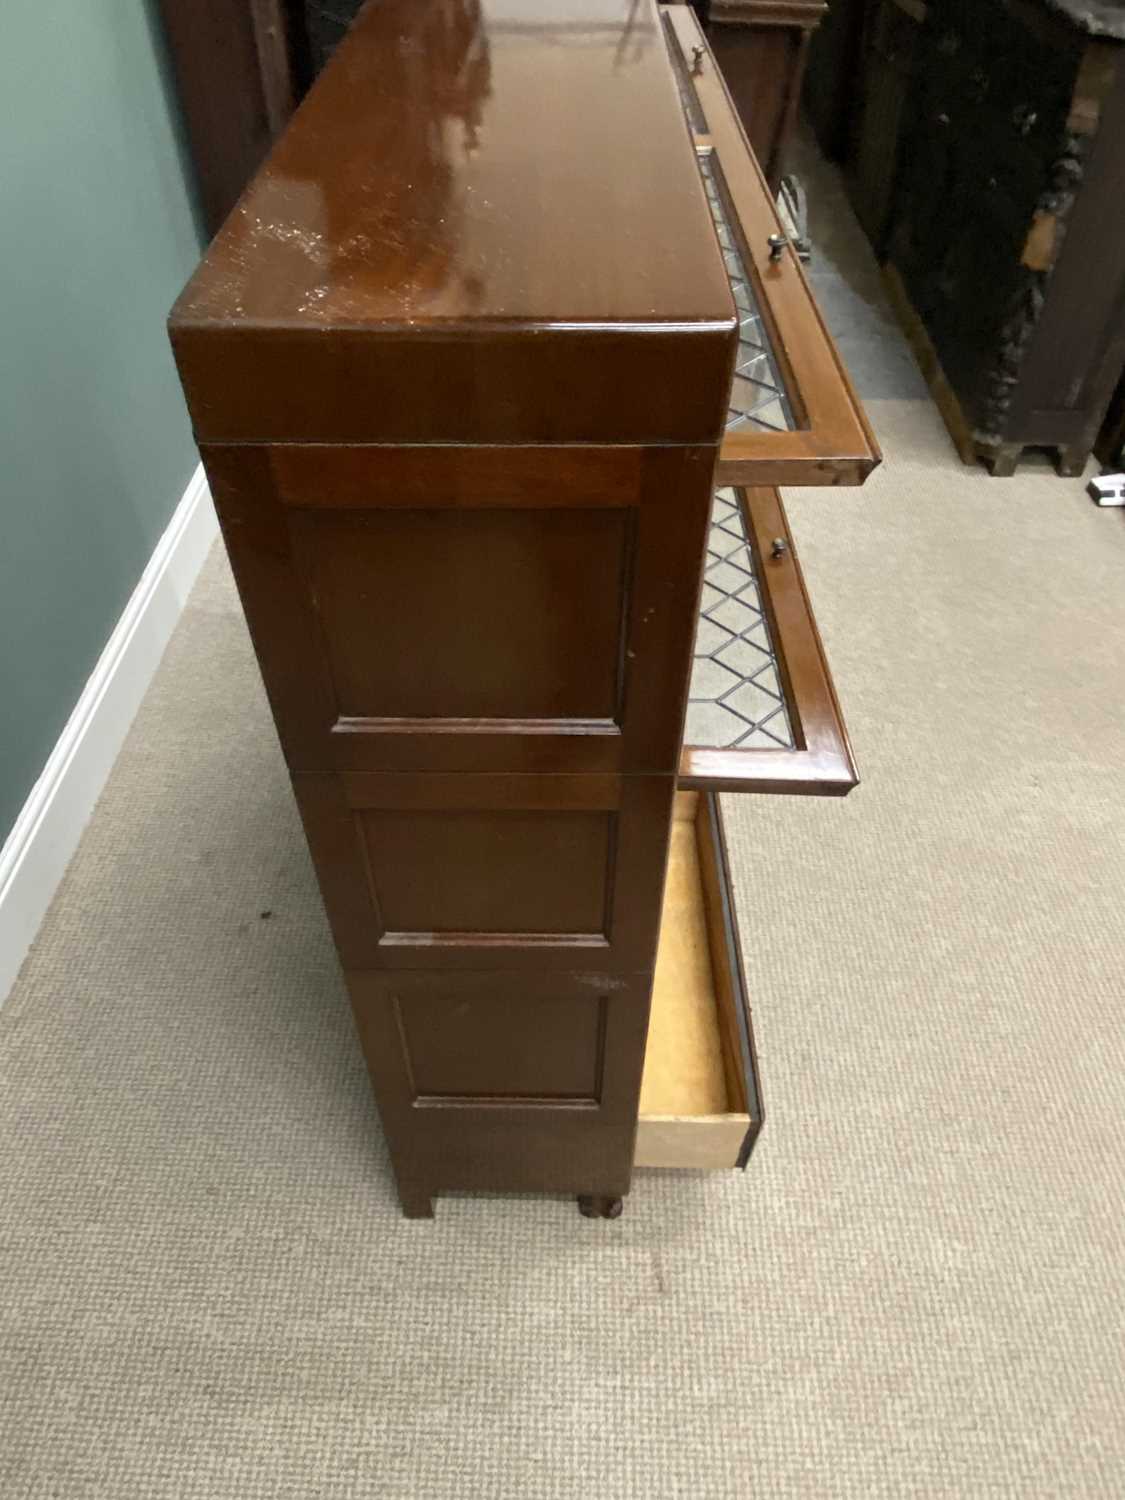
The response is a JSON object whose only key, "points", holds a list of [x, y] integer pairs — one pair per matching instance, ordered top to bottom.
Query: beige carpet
{"points": [[206, 1290]]}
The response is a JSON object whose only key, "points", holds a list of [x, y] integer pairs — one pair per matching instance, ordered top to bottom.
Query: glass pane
{"points": [[696, 123], [757, 399], [735, 700]]}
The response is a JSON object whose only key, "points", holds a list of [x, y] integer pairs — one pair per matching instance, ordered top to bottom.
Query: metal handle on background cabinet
{"points": [[779, 548]]}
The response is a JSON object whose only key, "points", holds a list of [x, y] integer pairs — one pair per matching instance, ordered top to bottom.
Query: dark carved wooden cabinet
{"points": [[832, 76], [881, 103], [988, 167], [465, 371]]}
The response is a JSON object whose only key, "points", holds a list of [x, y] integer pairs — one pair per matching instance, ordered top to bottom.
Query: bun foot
{"points": [[595, 1206]]}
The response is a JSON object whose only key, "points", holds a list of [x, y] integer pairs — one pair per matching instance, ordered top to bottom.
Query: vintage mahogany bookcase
{"points": [[466, 364]]}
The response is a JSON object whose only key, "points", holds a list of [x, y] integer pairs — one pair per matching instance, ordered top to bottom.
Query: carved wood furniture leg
{"points": [[1002, 461]]}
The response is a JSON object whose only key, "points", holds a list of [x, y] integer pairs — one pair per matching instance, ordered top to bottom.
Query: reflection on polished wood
{"points": [[468, 207]]}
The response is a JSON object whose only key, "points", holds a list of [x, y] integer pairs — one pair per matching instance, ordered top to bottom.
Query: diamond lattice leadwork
{"points": [[757, 398], [735, 700]]}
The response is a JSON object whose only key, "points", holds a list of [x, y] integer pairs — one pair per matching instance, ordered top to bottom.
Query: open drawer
{"points": [[794, 417], [762, 711], [700, 1105]]}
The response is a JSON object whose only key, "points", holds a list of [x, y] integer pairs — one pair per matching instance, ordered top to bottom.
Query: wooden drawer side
{"points": [[700, 1100]]}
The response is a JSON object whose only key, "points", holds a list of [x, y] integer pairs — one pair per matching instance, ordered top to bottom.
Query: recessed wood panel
{"points": [[481, 614], [587, 634], [465, 871], [489, 872], [466, 1041], [449, 1116]]}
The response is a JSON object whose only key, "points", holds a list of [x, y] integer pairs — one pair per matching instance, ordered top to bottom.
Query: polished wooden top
{"points": [[468, 161]]}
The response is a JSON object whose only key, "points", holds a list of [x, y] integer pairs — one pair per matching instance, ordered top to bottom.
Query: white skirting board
{"points": [[46, 833]]}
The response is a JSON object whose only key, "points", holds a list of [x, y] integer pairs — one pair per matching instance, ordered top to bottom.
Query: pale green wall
{"points": [[97, 234]]}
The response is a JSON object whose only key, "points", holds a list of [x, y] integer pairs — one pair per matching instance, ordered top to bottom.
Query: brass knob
{"points": [[779, 547]]}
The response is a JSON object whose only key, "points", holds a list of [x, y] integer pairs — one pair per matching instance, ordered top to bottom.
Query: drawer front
{"points": [[794, 417], [438, 609], [762, 713], [489, 871], [700, 1097]]}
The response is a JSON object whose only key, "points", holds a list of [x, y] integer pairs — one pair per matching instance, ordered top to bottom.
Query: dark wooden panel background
{"points": [[241, 67]]}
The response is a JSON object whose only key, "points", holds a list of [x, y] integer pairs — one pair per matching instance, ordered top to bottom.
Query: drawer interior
{"points": [[700, 1104]]}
